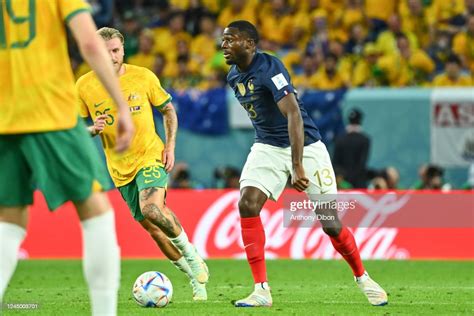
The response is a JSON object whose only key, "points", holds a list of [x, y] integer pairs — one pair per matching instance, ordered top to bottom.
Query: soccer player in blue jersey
{"points": [[287, 144]]}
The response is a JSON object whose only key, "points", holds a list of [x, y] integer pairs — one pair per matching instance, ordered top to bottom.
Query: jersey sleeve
{"points": [[69, 8], [277, 80], [158, 96], [82, 106]]}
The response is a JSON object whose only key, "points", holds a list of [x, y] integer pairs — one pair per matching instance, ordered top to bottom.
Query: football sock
{"points": [[11, 236], [253, 237], [182, 243], [345, 244], [101, 263], [182, 265]]}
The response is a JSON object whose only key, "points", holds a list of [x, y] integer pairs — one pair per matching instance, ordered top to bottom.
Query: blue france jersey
{"points": [[258, 90]]}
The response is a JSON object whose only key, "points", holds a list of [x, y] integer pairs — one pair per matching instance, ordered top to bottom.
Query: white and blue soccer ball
{"points": [[152, 289]]}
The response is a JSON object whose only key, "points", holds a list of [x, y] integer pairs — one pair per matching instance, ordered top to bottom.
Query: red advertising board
{"points": [[211, 220]]}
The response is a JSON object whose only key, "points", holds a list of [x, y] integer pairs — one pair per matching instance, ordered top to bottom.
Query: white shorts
{"points": [[268, 167]]}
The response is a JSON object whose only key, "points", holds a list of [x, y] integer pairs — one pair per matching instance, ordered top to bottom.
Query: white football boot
{"points": [[198, 267], [199, 290], [374, 292], [260, 297]]}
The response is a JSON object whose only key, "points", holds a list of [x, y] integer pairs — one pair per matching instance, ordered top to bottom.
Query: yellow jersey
{"points": [[382, 10], [320, 80], [443, 80], [37, 84], [142, 89]]}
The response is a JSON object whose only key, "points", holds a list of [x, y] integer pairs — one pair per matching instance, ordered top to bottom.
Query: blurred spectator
{"points": [[179, 5], [139, 6], [334, 9], [237, 10], [469, 10], [102, 12], [378, 12], [160, 14], [352, 14], [193, 15], [447, 15], [415, 20], [302, 22], [276, 23], [131, 33], [167, 38], [319, 40], [357, 40], [387, 40], [204, 45], [463, 45], [269, 46], [183, 49], [440, 49], [145, 56], [294, 62], [344, 64], [159, 65], [409, 67], [80, 69], [159, 69], [367, 72], [452, 76], [328, 77], [184, 78], [214, 79], [303, 80], [351, 151], [180, 177], [227, 177], [392, 177], [431, 178], [181, 180], [341, 182], [378, 183]]}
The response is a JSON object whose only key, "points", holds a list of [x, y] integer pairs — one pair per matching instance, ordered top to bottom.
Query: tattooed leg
{"points": [[154, 209]]}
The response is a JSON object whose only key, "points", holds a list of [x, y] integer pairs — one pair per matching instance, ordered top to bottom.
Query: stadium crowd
{"points": [[326, 44]]}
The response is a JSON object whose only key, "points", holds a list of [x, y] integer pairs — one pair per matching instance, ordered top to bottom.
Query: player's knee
{"points": [[248, 207]]}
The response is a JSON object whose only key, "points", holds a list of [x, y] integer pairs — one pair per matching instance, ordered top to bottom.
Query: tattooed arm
{"points": [[170, 122]]}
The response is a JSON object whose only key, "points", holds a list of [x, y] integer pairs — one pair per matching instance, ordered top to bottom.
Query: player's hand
{"points": [[99, 124], [125, 130], [168, 157], [298, 179]]}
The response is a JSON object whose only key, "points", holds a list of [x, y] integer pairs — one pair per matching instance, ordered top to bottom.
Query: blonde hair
{"points": [[108, 33]]}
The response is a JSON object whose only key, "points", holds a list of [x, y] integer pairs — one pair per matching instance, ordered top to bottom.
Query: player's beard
{"points": [[230, 60]]}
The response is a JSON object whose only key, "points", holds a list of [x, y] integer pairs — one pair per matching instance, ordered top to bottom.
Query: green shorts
{"points": [[64, 165], [148, 177]]}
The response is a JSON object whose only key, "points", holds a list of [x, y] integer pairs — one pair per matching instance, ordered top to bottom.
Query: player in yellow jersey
{"points": [[44, 146], [141, 173]]}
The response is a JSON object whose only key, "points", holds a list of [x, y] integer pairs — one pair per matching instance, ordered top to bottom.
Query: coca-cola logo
{"points": [[217, 233]]}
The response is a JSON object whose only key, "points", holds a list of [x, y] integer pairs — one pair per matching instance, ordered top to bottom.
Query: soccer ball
{"points": [[152, 289]]}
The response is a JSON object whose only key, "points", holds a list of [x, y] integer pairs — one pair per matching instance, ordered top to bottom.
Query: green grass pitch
{"points": [[299, 287]]}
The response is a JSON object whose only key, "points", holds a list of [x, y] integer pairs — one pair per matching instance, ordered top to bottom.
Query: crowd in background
{"points": [[326, 44]]}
